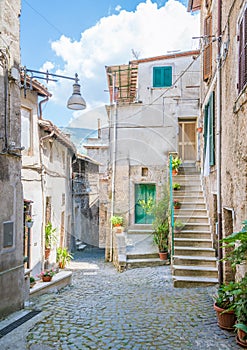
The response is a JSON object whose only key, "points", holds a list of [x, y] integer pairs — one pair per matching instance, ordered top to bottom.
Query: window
{"points": [[207, 55], [242, 60], [162, 76], [209, 125], [26, 129], [144, 171]]}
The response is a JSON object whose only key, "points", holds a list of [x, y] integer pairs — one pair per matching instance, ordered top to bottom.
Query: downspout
{"points": [[46, 99], [114, 121], [218, 150]]}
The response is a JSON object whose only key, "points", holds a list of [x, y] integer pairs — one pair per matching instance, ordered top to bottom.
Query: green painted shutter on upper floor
{"points": [[162, 76], [209, 129]]}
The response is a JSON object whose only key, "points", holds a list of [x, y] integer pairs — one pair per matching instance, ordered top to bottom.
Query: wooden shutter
{"points": [[242, 37], [207, 56], [162, 76], [209, 127], [211, 130]]}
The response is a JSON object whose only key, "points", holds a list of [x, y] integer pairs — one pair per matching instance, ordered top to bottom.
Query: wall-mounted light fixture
{"points": [[75, 102]]}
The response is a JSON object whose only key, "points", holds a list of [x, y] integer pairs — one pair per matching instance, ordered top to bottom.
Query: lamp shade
{"points": [[76, 101]]}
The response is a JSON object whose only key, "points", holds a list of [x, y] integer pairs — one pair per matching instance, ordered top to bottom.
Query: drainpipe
{"points": [[40, 106], [114, 121], [218, 137]]}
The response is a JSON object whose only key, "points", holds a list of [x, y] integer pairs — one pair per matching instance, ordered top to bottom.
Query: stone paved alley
{"points": [[136, 309]]}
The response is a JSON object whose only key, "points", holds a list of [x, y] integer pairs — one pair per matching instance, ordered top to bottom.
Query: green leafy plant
{"points": [[176, 162], [176, 186], [117, 220], [161, 221], [178, 225], [50, 235], [160, 236], [237, 242], [63, 257], [32, 279], [225, 296], [240, 301]]}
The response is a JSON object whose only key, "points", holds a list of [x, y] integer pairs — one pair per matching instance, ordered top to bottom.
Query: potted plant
{"points": [[176, 162], [176, 186], [176, 204], [160, 211], [28, 221], [117, 221], [178, 225], [50, 238], [160, 238], [63, 257], [47, 275], [32, 281], [224, 306], [240, 307]]}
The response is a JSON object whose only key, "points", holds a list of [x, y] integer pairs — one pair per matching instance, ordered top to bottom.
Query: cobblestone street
{"points": [[136, 309]]}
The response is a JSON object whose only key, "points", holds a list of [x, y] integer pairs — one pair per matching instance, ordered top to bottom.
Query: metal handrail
{"points": [[171, 204]]}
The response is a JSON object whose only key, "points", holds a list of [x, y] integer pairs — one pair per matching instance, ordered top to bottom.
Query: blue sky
{"points": [[84, 36]]}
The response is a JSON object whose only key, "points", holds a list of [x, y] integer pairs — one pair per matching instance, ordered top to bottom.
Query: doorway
{"points": [[187, 144], [144, 193]]}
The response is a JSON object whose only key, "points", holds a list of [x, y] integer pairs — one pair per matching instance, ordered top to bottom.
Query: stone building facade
{"points": [[223, 114], [145, 117], [46, 178], [85, 192], [11, 204]]}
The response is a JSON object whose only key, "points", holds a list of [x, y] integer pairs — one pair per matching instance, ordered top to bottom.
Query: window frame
{"points": [[27, 151]]}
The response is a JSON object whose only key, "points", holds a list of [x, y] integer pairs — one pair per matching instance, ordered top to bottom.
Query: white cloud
{"points": [[149, 30]]}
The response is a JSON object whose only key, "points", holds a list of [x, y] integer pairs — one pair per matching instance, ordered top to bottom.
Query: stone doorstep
{"points": [[60, 280]]}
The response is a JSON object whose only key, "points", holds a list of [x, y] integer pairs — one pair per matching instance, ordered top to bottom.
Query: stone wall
{"points": [[11, 204]]}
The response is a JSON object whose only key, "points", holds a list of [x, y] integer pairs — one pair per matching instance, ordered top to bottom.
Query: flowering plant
{"points": [[28, 218], [45, 273]]}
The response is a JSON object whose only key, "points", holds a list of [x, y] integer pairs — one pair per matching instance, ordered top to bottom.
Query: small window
{"points": [[242, 56], [162, 76], [144, 171], [8, 234]]}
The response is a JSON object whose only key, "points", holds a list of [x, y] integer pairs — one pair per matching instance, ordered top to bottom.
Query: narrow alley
{"points": [[136, 309]]}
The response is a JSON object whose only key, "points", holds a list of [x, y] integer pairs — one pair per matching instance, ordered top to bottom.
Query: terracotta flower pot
{"points": [[174, 172], [163, 255], [46, 278], [226, 319], [241, 338]]}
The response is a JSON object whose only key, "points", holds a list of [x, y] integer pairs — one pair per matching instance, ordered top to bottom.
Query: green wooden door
{"points": [[144, 192]]}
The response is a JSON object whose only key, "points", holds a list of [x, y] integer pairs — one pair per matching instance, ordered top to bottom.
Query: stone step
{"points": [[189, 193], [190, 199], [192, 206], [193, 212], [192, 219], [196, 226], [136, 231], [193, 234], [192, 242], [194, 251], [142, 256], [194, 260], [136, 263], [192, 271], [59, 280], [192, 282]]}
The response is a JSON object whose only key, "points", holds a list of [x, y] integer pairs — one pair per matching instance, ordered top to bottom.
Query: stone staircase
{"points": [[140, 250], [194, 263]]}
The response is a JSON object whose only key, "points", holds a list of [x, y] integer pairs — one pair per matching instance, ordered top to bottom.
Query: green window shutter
{"points": [[162, 76], [205, 130], [211, 130]]}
